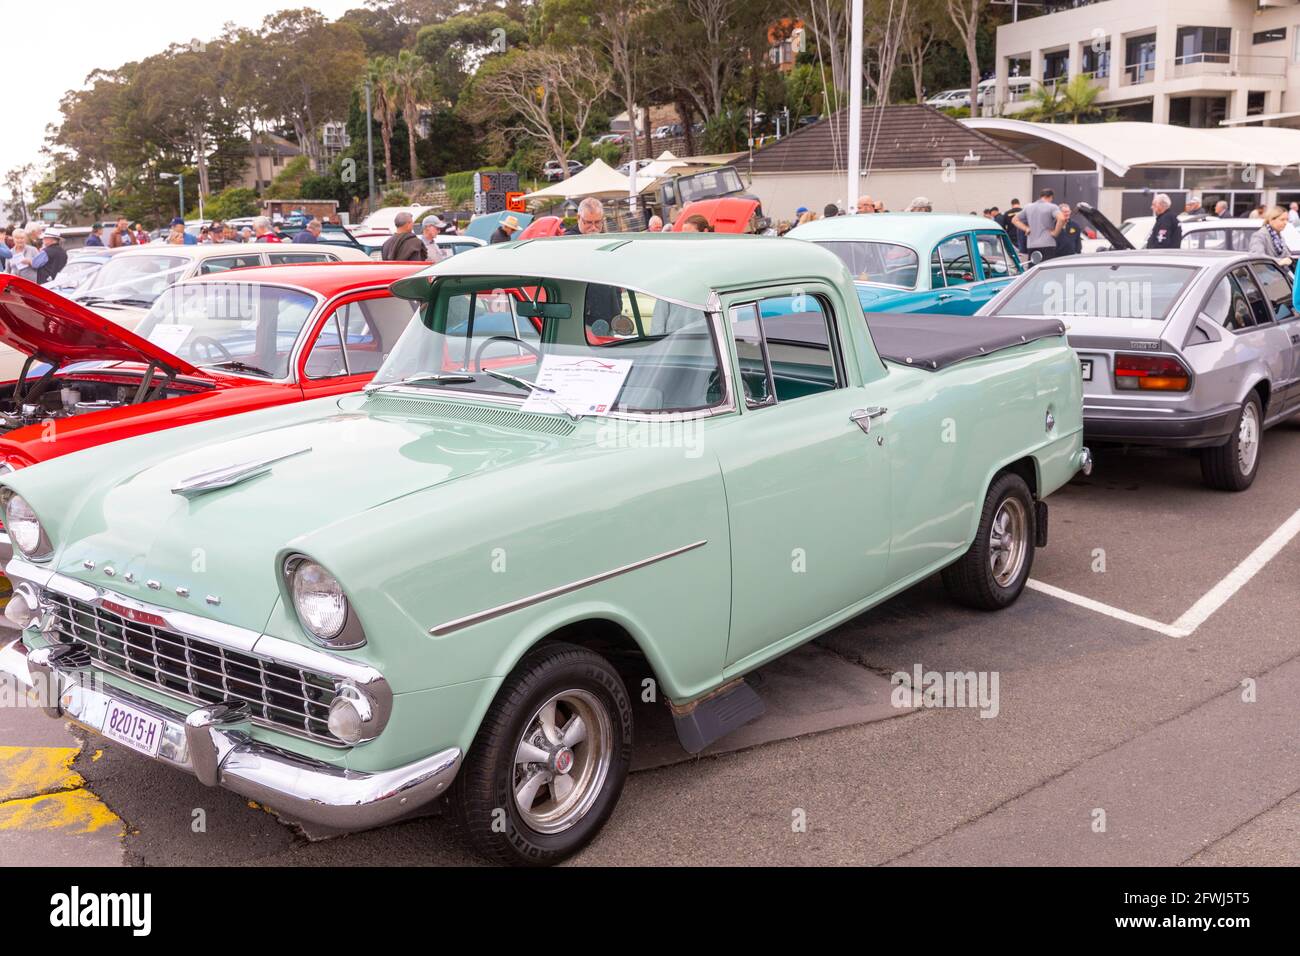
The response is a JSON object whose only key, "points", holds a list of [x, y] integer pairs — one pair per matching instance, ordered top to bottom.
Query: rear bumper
{"points": [[1172, 430], [215, 744]]}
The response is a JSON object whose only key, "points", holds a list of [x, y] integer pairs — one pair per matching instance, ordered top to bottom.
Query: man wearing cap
{"points": [[431, 228], [505, 231], [95, 238], [186, 238], [403, 245], [50, 261]]}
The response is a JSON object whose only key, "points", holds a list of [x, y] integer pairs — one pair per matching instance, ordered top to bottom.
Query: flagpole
{"points": [[855, 107]]}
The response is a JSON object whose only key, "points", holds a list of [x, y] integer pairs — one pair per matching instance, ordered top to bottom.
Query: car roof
{"points": [[910, 228], [207, 250], [1182, 257], [651, 262], [326, 278]]}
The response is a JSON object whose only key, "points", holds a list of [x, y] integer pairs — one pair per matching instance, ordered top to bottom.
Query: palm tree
{"points": [[413, 83], [384, 93], [1072, 102]]}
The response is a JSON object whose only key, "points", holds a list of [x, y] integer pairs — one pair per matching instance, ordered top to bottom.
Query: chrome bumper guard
{"points": [[1085, 461], [215, 744]]}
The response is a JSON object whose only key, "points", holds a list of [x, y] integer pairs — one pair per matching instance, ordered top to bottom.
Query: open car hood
{"points": [[731, 214], [1105, 228], [36, 321]]}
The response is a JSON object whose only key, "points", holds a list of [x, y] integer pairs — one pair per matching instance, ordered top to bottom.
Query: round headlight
{"points": [[25, 529], [319, 600], [350, 718]]}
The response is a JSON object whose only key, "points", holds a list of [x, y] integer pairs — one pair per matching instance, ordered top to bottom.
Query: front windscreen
{"points": [[133, 280], [240, 326], [494, 341]]}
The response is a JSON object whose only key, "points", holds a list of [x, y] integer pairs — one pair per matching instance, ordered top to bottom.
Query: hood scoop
{"points": [[200, 484]]}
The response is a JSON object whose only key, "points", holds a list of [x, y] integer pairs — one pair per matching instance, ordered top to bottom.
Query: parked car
{"points": [[950, 99], [668, 131], [609, 138], [626, 168], [554, 172], [728, 215], [381, 221], [1206, 233], [458, 244], [919, 262], [83, 265], [126, 287], [215, 345], [1178, 348], [350, 656]]}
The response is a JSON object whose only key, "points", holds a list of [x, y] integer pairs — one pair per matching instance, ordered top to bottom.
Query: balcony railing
{"points": [[1224, 64]]}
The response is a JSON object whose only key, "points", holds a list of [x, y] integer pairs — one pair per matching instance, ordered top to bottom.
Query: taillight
{"points": [[1151, 372]]}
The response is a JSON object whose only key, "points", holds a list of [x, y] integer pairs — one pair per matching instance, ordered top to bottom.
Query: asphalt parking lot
{"points": [[1147, 714]]}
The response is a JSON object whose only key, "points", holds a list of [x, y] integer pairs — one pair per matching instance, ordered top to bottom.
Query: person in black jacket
{"points": [[1005, 220], [505, 230], [1166, 233], [1069, 241], [404, 245], [56, 257]]}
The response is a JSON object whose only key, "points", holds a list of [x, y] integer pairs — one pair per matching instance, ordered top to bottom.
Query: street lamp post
{"points": [[855, 106], [370, 148]]}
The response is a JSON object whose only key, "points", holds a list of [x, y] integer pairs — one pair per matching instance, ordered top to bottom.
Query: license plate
{"points": [[1085, 366], [133, 727]]}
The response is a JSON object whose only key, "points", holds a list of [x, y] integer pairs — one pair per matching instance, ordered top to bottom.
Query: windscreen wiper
{"points": [[238, 366], [433, 378], [547, 393]]}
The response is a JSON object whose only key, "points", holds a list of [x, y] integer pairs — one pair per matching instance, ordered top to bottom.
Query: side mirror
{"points": [[1035, 257]]}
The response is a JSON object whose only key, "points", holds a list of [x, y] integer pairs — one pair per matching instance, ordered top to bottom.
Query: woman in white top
{"points": [[21, 263]]}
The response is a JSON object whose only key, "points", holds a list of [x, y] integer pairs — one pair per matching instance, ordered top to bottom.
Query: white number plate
{"points": [[1085, 366], [133, 727]]}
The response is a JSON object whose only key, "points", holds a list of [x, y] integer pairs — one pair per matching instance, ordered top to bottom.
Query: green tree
{"points": [[414, 84]]}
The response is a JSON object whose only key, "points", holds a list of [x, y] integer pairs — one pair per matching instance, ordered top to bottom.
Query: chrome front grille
{"points": [[280, 696]]}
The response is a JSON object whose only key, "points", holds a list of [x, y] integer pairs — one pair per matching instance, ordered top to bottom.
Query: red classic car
{"points": [[211, 346]]}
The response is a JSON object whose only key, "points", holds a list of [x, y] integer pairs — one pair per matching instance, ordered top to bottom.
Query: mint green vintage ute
{"points": [[687, 452]]}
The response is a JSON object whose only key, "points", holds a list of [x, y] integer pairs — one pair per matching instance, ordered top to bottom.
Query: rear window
{"points": [[1100, 291]]}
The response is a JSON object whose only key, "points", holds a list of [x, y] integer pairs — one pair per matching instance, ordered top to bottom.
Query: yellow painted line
{"points": [[25, 771], [71, 811]]}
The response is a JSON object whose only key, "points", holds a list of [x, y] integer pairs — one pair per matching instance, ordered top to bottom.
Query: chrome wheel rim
{"points": [[1248, 439], [1008, 541], [562, 761]]}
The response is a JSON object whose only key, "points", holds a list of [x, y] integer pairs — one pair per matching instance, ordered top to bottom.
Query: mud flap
{"points": [[1040, 524], [703, 721]]}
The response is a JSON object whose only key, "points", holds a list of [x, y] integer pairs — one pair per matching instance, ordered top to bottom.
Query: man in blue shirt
{"points": [[310, 232], [95, 239], [188, 240]]}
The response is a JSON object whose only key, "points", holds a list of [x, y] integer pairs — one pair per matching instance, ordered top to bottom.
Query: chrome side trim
{"points": [[501, 609]]}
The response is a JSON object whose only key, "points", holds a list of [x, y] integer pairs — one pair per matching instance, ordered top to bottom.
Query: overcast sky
{"points": [[78, 36]]}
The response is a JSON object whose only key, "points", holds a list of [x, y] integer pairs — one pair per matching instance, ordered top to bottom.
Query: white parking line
{"points": [[1212, 600]]}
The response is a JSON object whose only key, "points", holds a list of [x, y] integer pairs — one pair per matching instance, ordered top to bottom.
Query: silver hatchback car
{"points": [[1180, 348]]}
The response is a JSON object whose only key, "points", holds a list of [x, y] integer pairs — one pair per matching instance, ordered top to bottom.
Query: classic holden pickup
{"points": [[588, 461]]}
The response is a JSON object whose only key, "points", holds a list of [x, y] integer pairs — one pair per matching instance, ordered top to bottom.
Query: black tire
{"points": [[1222, 466], [972, 580], [482, 797]]}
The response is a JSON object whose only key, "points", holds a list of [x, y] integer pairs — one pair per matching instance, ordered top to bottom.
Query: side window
{"points": [[1207, 239], [289, 258], [952, 260], [996, 261], [226, 263], [1277, 290], [1227, 305], [1260, 311], [358, 337], [787, 348], [326, 358]]}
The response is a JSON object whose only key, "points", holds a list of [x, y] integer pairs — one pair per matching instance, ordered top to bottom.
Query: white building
{"points": [[1184, 62]]}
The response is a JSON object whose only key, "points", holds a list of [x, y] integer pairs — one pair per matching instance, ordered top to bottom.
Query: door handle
{"points": [[944, 296], [862, 417]]}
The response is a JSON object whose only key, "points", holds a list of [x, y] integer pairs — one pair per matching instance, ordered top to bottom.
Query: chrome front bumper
{"points": [[215, 744]]}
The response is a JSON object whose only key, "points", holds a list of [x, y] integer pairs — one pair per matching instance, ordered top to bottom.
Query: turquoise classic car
{"points": [[919, 262], [680, 454]]}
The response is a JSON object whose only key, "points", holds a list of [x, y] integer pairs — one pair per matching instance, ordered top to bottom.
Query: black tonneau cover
{"points": [[934, 342]]}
